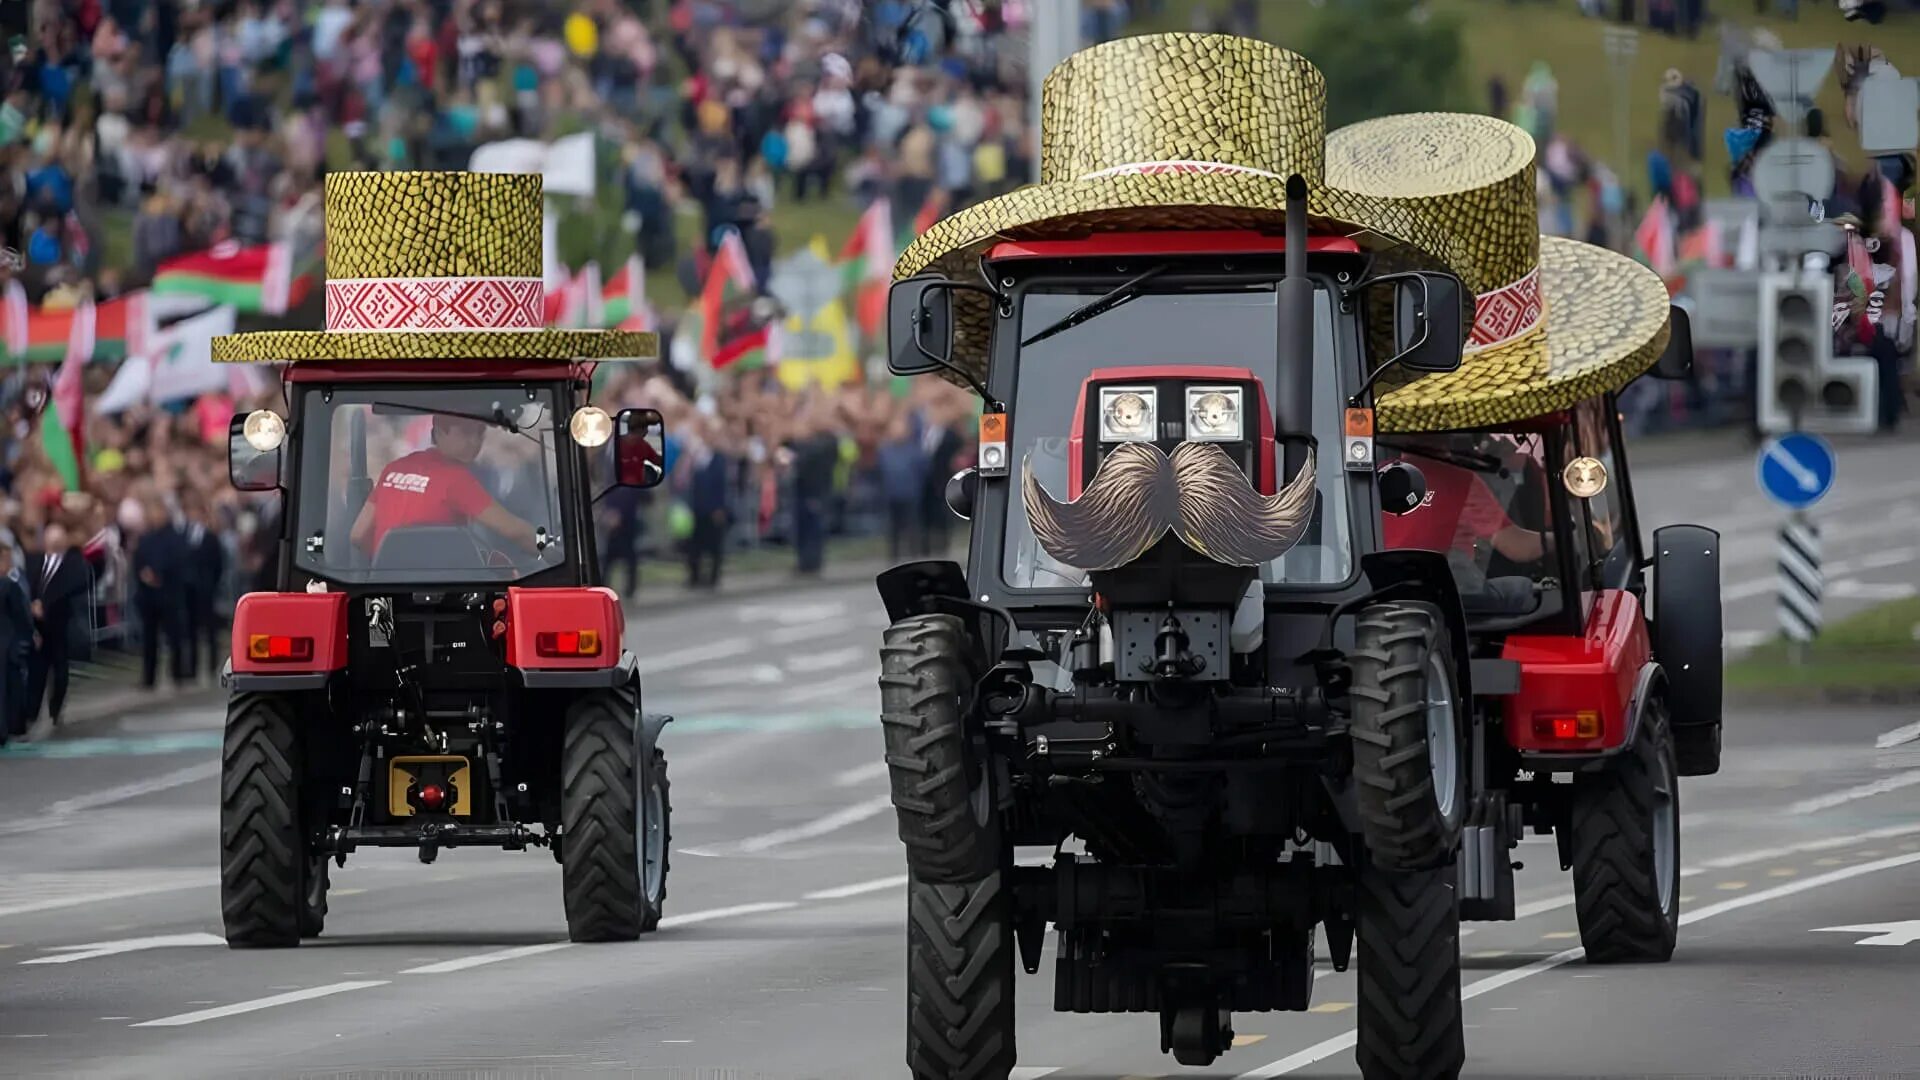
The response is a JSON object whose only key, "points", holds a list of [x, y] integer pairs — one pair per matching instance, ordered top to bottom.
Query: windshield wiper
{"points": [[1126, 291], [499, 419]]}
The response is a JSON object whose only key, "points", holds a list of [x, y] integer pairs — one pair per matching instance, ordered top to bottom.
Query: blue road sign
{"points": [[1796, 469]]}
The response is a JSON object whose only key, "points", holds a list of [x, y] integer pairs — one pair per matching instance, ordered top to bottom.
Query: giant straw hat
{"points": [[1163, 131], [434, 266], [1556, 320]]}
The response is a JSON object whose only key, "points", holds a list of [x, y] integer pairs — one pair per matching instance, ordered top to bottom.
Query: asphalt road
{"points": [[783, 952]]}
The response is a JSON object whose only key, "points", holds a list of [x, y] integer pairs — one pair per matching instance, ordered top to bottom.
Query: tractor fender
{"points": [[1414, 574], [939, 587], [1686, 622], [1651, 681], [651, 724]]}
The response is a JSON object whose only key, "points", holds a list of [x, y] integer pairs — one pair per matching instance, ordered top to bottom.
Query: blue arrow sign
{"points": [[1796, 470]]}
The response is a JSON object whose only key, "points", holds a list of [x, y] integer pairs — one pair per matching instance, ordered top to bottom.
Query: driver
{"points": [[436, 486], [1458, 513]]}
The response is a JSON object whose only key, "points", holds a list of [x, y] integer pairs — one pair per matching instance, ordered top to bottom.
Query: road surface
{"points": [[783, 952]]}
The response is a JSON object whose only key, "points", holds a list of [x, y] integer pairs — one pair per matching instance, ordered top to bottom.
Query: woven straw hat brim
{"points": [[1140, 203], [1605, 323], [274, 346]]}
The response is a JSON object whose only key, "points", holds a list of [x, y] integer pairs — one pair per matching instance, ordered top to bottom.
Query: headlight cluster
{"points": [[1127, 414], [1213, 414]]}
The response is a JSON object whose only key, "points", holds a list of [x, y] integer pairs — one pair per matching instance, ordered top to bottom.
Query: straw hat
{"points": [[1161, 131], [434, 266], [1556, 320]]}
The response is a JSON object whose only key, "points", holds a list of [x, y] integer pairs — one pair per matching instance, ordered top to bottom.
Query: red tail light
{"points": [[567, 643], [279, 647], [1566, 727]]}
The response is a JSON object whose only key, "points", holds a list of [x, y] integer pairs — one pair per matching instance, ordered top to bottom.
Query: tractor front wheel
{"points": [[1408, 732], [941, 794], [615, 820], [1626, 850], [263, 852], [960, 980], [1410, 1025]]}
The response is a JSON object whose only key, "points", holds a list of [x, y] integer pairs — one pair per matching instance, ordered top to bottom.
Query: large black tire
{"points": [[1401, 658], [606, 773], [941, 792], [1626, 850], [263, 852], [313, 910], [1408, 931], [960, 980]]}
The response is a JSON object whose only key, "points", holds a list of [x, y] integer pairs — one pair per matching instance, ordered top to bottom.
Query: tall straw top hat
{"points": [[1162, 131], [434, 266], [1555, 320]]}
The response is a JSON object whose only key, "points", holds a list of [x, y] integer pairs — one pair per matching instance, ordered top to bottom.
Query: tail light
{"points": [[567, 643], [279, 648], [1566, 727]]}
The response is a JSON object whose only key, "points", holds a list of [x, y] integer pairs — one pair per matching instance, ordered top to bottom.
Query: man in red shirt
{"points": [[435, 487], [1458, 512]]}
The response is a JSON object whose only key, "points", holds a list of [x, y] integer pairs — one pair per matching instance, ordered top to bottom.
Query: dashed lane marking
{"points": [[793, 635], [697, 654], [1905, 733], [861, 774], [1863, 791], [808, 830], [1782, 871], [1731, 886], [859, 888], [734, 912], [1559, 935], [67, 954], [447, 967], [240, 1007], [1331, 1007], [1248, 1040], [1329, 1047], [1030, 1072]]}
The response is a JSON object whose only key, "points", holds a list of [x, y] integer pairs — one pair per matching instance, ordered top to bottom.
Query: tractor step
{"points": [[431, 837]]}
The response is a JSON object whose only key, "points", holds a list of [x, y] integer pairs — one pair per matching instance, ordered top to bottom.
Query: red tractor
{"points": [[440, 665]]}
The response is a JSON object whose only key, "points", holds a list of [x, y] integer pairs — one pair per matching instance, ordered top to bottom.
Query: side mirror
{"points": [[1427, 317], [919, 324], [1677, 361], [639, 448], [253, 450], [962, 488], [1403, 488]]}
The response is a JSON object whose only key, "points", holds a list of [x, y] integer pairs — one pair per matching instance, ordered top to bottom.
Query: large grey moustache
{"points": [[1139, 494]]}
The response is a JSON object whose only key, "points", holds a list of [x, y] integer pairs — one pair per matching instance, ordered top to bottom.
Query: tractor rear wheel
{"points": [[1408, 731], [941, 793], [615, 819], [1626, 850], [263, 851], [960, 980], [1410, 1025]]}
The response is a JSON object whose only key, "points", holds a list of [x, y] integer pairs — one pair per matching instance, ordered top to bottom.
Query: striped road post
{"points": [[1801, 582]]}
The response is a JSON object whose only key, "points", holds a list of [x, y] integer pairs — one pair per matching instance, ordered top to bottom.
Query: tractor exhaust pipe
{"points": [[1293, 393]]}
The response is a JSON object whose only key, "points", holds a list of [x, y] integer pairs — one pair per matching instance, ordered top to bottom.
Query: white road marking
{"points": [[1855, 589], [790, 614], [793, 635], [697, 654], [833, 658], [762, 674], [846, 684], [1903, 734], [876, 770], [1863, 791], [107, 796], [821, 826], [1804, 847], [859, 888], [70, 890], [733, 912], [1888, 933], [67, 954], [446, 967], [257, 1004], [1329, 1047], [1032, 1072]]}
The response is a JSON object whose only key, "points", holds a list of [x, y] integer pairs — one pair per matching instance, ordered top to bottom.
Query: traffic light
{"points": [[1802, 385]]}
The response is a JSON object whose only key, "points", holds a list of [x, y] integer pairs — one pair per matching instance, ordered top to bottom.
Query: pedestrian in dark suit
{"points": [[206, 565], [58, 582], [160, 596], [16, 635]]}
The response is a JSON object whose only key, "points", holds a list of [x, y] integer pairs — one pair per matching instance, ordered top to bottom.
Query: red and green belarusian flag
{"points": [[866, 265], [730, 272], [258, 279], [623, 303], [113, 329], [752, 350], [60, 424]]}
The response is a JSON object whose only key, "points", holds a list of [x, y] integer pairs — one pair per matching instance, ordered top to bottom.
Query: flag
{"points": [[1654, 237], [866, 265], [730, 270], [261, 278], [624, 300], [17, 311], [748, 350], [60, 424]]}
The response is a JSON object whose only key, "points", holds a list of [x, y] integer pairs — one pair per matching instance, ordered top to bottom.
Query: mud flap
{"points": [[1687, 641]]}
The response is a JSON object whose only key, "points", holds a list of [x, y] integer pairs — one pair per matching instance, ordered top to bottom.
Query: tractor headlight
{"points": [[1127, 414], [1213, 414], [591, 426], [264, 430]]}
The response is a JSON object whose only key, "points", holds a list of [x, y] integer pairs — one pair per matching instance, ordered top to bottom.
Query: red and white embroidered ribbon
{"points": [[1161, 168], [433, 305], [1506, 313]]}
